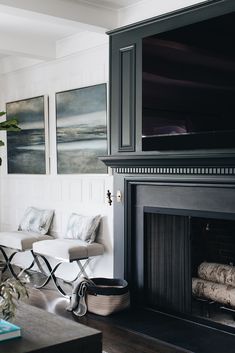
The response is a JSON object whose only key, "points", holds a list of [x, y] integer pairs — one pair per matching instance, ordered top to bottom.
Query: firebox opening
{"points": [[189, 266]]}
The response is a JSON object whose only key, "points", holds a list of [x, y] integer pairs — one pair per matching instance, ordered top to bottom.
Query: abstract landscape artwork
{"points": [[81, 130], [26, 150]]}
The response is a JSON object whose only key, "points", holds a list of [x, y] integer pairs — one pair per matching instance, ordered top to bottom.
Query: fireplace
{"points": [[173, 158], [172, 229]]}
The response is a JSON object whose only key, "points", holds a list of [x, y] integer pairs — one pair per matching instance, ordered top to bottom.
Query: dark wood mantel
{"points": [[208, 158], [207, 164]]}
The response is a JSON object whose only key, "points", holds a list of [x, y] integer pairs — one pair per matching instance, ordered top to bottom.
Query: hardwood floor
{"points": [[115, 339]]}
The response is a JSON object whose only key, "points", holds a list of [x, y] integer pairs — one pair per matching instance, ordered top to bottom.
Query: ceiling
{"points": [[39, 28], [33, 29]]}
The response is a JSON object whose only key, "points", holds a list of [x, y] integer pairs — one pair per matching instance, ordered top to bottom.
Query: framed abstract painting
{"points": [[81, 130], [27, 150]]}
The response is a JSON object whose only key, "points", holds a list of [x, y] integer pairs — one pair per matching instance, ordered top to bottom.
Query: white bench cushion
{"points": [[20, 240], [67, 249]]}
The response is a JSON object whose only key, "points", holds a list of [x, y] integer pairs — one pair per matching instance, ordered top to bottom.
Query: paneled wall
{"points": [[64, 193]]}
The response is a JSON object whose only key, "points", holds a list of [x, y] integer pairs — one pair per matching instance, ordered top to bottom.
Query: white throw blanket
{"points": [[78, 299]]}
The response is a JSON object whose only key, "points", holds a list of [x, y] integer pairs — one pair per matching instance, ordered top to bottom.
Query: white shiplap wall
{"points": [[63, 193]]}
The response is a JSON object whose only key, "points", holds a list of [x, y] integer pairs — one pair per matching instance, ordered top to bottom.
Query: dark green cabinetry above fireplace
{"points": [[172, 79], [124, 92]]}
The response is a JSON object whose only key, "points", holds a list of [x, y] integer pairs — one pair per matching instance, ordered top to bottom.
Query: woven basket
{"points": [[107, 296]]}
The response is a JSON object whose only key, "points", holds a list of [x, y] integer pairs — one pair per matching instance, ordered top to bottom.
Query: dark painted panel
{"points": [[114, 63], [126, 93], [127, 99], [194, 198], [119, 230], [167, 275]]}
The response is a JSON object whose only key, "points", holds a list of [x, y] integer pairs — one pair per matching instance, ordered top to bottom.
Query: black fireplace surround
{"points": [[175, 201], [158, 239]]}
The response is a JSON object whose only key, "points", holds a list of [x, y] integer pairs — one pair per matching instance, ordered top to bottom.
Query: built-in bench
{"points": [[66, 250]]}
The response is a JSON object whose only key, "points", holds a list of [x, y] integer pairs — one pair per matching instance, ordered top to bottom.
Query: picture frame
{"points": [[81, 119], [28, 149]]}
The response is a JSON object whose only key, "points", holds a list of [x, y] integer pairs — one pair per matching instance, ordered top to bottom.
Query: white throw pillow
{"points": [[36, 220], [82, 227]]}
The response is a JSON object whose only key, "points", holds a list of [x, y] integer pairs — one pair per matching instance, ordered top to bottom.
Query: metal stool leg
{"points": [[36, 260], [8, 262], [83, 267], [27, 268], [82, 270], [51, 276]]}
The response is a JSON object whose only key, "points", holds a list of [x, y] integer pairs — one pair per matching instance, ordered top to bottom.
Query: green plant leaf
{"points": [[10, 125], [11, 290]]}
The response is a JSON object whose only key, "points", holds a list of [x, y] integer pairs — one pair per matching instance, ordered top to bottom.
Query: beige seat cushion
{"points": [[20, 240], [67, 249]]}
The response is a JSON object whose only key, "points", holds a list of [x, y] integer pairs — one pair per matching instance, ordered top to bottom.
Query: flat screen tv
{"points": [[188, 87]]}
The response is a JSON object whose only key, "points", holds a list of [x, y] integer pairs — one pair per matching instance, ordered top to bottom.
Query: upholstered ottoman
{"points": [[32, 228], [20, 240], [66, 250]]}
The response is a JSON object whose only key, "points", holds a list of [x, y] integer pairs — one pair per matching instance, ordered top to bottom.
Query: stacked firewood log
{"points": [[215, 282]]}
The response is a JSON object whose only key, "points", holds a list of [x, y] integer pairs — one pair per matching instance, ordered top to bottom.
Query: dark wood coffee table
{"points": [[43, 332]]}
